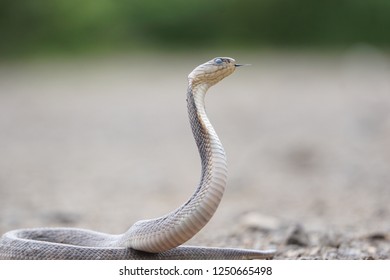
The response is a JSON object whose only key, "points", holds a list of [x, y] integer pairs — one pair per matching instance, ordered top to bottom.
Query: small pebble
{"points": [[257, 221]]}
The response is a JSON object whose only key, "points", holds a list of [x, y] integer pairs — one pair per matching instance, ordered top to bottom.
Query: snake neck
{"points": [[212, 154], [175, 228]]}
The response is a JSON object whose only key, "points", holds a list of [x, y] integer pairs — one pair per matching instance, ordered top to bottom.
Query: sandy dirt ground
{"points": [[102, 143]]}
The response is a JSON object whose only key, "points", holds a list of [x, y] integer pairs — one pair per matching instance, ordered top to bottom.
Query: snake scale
{"points": [[159, 238]]}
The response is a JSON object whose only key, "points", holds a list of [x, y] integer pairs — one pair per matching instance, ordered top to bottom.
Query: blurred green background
{"points": [[30, 27]]}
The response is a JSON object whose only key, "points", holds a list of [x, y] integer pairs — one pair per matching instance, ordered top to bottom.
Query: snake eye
{"points": [[218, 60]]}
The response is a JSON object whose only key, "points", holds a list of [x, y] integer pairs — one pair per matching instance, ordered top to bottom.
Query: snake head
{"points": [[213, 71]]}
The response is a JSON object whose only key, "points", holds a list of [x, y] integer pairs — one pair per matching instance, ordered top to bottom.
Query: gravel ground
{"points": [[102, 143]]}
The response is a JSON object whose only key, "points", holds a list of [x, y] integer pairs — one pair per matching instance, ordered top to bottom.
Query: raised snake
{"points": [[158, 238]]}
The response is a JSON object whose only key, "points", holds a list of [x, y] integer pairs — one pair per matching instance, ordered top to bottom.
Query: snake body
{"points": [[159, 238]]}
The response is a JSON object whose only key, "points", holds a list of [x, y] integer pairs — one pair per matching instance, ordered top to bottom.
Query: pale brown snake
{"points": [[159, 238]]}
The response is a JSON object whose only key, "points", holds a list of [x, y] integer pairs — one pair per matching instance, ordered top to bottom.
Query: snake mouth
{"points": [[239, 65]]}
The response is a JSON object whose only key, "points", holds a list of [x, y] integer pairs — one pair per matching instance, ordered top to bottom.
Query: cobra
{"points": [[159, 238]]}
